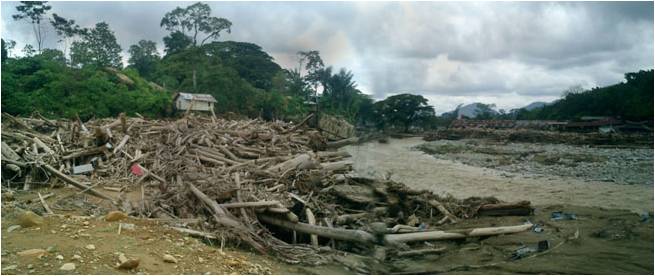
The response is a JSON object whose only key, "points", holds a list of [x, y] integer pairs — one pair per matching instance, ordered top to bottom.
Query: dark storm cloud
{"points": [[507, 53]]}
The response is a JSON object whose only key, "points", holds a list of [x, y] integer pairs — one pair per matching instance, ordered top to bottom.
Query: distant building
{"points": [[195, 102]]}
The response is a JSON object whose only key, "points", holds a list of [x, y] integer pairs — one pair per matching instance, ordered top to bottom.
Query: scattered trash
{"points": [[81, 169], [563, 216], [645, 217], [128, 226], [525, 250]]}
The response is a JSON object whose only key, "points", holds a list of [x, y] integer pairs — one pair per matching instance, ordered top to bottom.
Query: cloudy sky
{"points": [[505, 53]]}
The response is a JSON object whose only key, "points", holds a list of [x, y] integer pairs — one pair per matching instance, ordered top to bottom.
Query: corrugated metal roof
{"points": [[196, 97]]}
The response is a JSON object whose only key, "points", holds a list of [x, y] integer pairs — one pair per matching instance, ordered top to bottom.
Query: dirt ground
{"points": [[398, 160], [70, 234]]}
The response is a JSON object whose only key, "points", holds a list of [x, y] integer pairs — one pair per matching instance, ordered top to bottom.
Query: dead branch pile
{"points": [[262, 183]]}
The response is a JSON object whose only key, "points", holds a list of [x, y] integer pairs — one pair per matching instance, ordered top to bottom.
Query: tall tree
{"points": [[34, 12], [195, 19], [66, 29], [175, 42], [10, 45], [98, 47], [28, 50], [4, 51], [144, 57], [314, 67], [341, 88], [404, 109]]}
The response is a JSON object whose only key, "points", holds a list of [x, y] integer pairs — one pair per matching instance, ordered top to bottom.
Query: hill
{"points": [[631, 100], [473, 110]]}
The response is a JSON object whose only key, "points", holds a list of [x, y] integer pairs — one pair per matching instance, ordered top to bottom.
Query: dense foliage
{"points": [[44, 83], [631, 100], [404, 110]]}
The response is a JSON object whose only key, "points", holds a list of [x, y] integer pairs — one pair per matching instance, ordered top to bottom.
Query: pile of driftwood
{"points": [[278, 187]]}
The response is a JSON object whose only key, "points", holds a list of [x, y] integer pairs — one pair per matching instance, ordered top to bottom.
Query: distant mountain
{"points": [[534, 105], [473, 110]]}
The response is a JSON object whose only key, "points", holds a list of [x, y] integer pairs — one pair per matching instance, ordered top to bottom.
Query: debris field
{"points": [[277, 188]]}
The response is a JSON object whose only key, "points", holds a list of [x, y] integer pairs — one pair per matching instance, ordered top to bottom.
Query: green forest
{"points": [[86, 77], [630, 100]]}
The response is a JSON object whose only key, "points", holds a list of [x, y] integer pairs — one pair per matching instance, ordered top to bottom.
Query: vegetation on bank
{"points": [[244, 79], [631, 100]]}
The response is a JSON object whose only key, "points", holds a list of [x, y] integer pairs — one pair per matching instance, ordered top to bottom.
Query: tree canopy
{"points": [[34, 12], [190, 23], [98, 47], [144, 57], [404, 110]]}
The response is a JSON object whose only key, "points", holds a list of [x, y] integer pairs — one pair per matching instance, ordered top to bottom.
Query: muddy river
{"points": [[398, 160]]}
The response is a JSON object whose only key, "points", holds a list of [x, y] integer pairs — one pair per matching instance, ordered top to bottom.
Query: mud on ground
{"points": [[632, 166]]}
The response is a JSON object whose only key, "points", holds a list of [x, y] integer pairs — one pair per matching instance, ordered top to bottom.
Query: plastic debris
{"points": [[563, 216]]}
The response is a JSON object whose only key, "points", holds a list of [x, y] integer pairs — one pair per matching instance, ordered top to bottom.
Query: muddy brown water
{"points": [[422, 171]]}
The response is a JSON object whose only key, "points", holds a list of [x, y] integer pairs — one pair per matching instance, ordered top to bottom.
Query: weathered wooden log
{"points": [[303, 122], [343, 142], [122, 143], [42, 145], [87, 152], [227, 152], [8, 153], [331, 154], [301, 161], [338, 166], [77, 184], [257, 204], [520, 208], [443, 210], [222, 217], [348, 218], [311, 219], [195, 233], [333, 233], [455, 234], [421, 252]]}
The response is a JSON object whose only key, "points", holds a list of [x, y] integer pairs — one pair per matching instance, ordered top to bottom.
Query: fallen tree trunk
{"points": [[341, 143], [91, 151], [302, 161], [337, 166], [77, 184], [257, 204], [519, 208], [223, 218], [311, 219], [333, 233], [455, 234], [421, 252]]}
